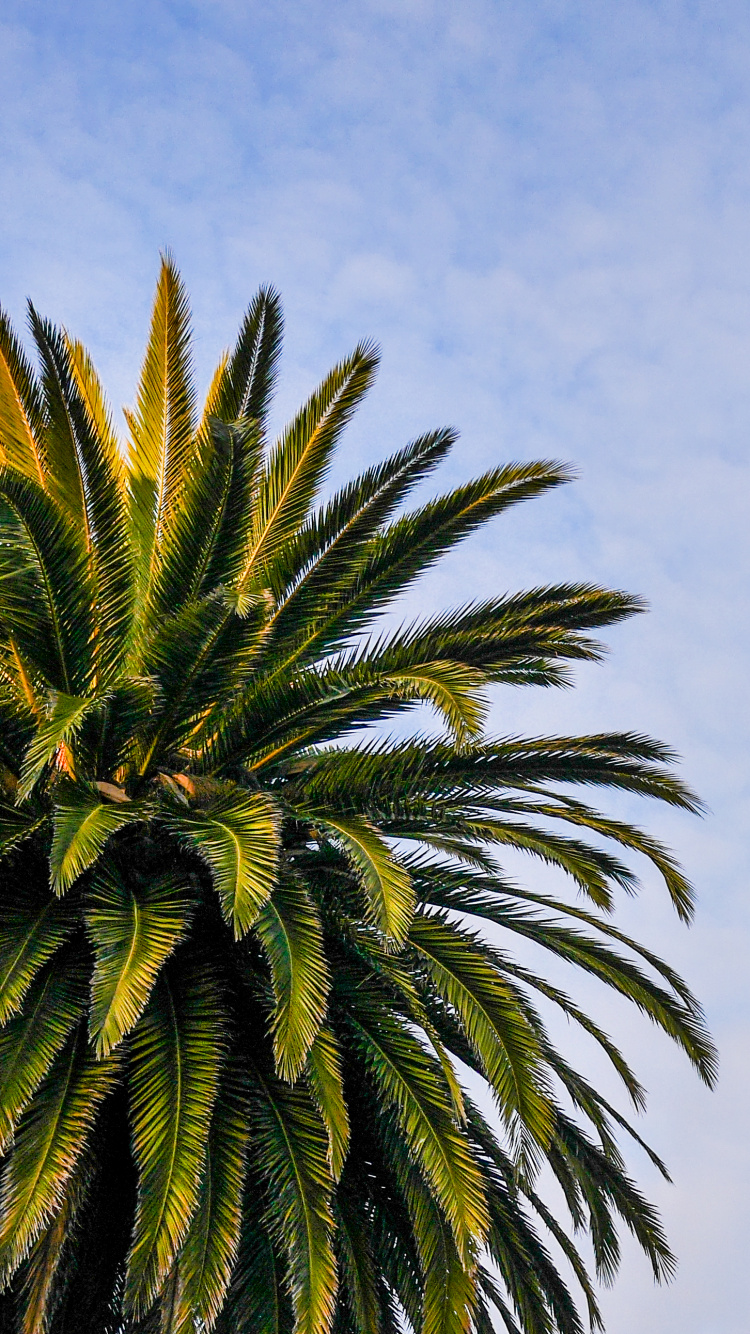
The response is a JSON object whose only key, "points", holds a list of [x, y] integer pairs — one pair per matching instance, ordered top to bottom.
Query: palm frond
{"points": [[245, 382], [21, 408], [162, 424], [299, 462], [85, 477], [66, 591], [54, 735], [17, 825], [82, 827], [238, 838], [386, 881], [32, 929], [133, 929], [289, 929], [465, 974], [31, 1040], [177, 1051], [324, 1076], [412, 1084], [48, 1143], [292, 1155], [209, 1251], [357, 1265], [45, 1272], [258, 1301]]}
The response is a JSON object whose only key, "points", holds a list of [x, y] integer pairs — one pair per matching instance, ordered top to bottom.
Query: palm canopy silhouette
{"points": [[241, 955]]}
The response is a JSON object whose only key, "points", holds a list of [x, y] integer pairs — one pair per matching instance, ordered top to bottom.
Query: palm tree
{"points": [[242, 962]]}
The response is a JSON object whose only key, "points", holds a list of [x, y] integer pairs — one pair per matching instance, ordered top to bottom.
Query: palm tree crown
{"points": [[241, 956]]}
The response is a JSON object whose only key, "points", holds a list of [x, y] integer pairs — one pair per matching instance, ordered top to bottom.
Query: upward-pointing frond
{"points": [[244, 384], [21, 408], [162, 424], [300, 460], [67, 594]]}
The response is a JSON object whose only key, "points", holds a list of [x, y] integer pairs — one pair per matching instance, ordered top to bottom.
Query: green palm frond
{"points": [[245, 382], [92, 393], [21, 408], [162, 423], [298, 463], [85, 477], [324, 554], [66, 613], [54, 737], [16, 825], [83, 825], [238, 838], [386, 881], [32, 929], [133, 929], [289, 929], [31, 1040], [506, 1043], [177, 1051], [324, 1076], [413, 1085], [48, 1143], [292, 1154], [210, 1249], [357, 1265], [44, 1280], [449, 1293], [258, 1301]]}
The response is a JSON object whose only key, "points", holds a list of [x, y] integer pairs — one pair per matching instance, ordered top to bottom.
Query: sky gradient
{"points": [[541, 211]]}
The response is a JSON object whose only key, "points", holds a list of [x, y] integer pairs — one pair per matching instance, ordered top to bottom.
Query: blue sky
{"points": [[541, 210]]}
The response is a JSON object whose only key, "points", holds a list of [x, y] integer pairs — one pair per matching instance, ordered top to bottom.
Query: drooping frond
{"points": [[83, 826], [238, 837], [385, 880], [33, 926], [133, 929], [289, 929], [31, 1040], [177, 1052], [324, 1076], [413, 1084], [48, 1143], [292, 1156], [210, 1250]]}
